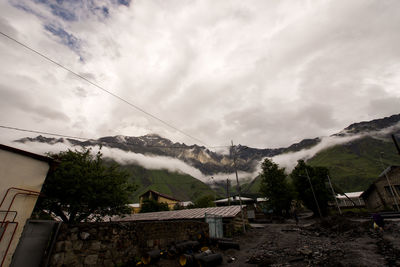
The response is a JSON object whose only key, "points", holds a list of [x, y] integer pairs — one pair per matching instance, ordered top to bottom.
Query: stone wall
{"points": [[117, 243]]}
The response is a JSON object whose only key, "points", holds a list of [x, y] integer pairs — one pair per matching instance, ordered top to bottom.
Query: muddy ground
{"points": [[335, 241]]}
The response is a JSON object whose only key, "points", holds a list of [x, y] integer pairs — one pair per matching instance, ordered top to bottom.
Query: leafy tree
{"points": [[318, 177], [83, 187], [275, 188], [204, 202], [150, 205], [178, 206]]}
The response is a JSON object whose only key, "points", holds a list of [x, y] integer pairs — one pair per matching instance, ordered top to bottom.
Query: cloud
{"points": [[265, 73], [289, 160], [146, 161]]}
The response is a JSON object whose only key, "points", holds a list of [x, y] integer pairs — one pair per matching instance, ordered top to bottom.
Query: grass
{"points": [[180, 186]]}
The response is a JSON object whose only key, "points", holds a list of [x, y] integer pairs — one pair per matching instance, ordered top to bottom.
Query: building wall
{"points": [[22, 172], [394, 178], [380, 197], [160, 199], [374, 202], [171, 203], [118, 243]]}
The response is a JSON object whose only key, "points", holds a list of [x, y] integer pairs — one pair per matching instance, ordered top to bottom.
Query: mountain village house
{"points": [[379, 195], [159, 197]]}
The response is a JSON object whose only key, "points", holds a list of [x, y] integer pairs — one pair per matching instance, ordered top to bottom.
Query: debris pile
{"points": [[200, 252]]}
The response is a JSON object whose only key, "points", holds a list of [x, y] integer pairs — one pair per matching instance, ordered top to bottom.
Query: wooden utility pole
{"points": [[396, 144], [238, 185], [334, 195], [315, 197]]}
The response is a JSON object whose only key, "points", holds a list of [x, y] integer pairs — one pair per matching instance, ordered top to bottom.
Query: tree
{"points": [[318, 177], [82, 187], [275, 188], [204, 202], [150, 205]]}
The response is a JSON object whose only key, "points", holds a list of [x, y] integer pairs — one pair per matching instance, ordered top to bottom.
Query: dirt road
{"points": [[334, 242]]}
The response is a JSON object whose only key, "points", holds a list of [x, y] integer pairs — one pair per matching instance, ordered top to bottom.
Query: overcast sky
{"points": [[263, 73]]}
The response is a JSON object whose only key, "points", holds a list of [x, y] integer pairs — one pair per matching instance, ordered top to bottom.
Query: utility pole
{"points": [[396, 144], [388, 181], [238, 185], [227, 191], [334, 195], [315, 198]]}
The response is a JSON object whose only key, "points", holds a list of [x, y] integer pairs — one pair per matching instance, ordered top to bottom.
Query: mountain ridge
{"points": [[207, 161]]}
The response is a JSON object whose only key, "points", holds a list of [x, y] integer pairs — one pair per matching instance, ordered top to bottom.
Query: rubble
{"points": [[334, 241]]}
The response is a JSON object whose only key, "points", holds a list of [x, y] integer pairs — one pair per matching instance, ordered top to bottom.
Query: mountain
{"points": [[374, 125], [208, 162], [353, 165]]}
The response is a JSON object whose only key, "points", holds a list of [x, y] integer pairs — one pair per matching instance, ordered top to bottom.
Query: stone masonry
{"points": [[117, 243]]}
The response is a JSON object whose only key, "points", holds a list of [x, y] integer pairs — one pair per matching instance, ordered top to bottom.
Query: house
{"points": [[22, 175], [379, 195], [159, 197], [351, 199], [233, 201], [135, 207], [229, 215]]}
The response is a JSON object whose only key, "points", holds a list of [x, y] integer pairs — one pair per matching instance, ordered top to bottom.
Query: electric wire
{"points": [[100, 87]]}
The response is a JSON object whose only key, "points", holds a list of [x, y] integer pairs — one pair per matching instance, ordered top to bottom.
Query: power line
{"points": [[101, 88], [94, 140]]}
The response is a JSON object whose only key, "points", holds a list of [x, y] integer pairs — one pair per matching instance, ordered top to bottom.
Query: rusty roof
{"points": [[225, 212]]}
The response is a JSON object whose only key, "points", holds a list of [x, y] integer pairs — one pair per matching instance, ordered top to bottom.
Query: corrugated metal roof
{"points": [[351, 194], [233, 199], [225, 212]]}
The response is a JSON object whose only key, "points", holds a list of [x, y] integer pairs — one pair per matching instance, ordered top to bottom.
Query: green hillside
{"points": [[353, 166], [181, 186], [252, 188]]}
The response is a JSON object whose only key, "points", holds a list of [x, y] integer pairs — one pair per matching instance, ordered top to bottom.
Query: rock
{"points": [[74, 230], [84, 235], [74, 236], [67, 245], [77, 245], [95, 245], [60, 246], [305, 251], [70, 258], [57, 259], [91, 259], [108, 263]]}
